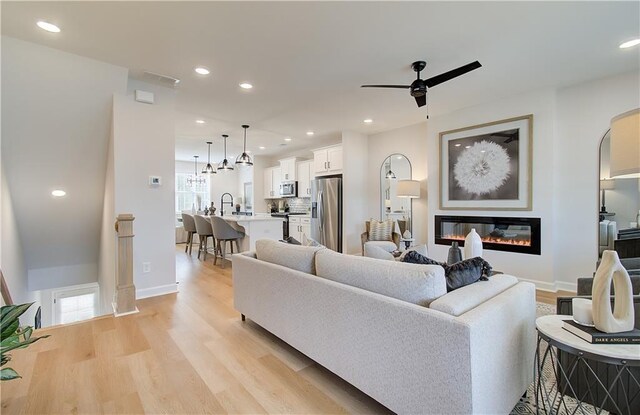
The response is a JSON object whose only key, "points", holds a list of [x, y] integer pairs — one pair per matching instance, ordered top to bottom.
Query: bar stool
{"points": [[190, 227], [203, 227], [223, 233]]}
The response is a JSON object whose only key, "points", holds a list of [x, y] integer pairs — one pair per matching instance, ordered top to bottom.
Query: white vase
{"points": [[472, 245], [622, 317]]}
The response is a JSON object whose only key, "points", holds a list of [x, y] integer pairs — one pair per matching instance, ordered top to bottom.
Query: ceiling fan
{"points": [[418, 88]]}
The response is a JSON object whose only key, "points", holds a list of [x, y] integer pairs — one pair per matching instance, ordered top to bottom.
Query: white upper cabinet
{"points": [[328, 160], [288, 167], [304, 173], [272, 179]]}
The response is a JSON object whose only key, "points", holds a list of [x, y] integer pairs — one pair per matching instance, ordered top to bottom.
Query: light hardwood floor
{"points": [[184, 353]]}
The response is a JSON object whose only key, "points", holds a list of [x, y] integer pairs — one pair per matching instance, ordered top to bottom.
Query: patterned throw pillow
{"points": [[381, 230], [459, 274]]}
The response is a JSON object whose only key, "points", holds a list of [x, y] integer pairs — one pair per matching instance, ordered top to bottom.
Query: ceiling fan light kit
{"points": [[418, 88]]}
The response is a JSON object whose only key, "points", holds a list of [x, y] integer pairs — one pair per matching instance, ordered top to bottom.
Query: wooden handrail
{"points": [[4, 288]]}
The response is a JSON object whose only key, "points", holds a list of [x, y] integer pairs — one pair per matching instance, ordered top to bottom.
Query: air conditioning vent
{"points": [[164, 80]]}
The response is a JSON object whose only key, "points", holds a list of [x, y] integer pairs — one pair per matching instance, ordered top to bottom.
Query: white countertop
{"points": [[254, 218]]}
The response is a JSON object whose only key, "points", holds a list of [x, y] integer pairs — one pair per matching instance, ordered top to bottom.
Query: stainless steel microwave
{"points": [[289, 189]]}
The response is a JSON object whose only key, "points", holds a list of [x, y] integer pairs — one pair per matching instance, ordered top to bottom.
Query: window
{"points": [[186, 194], [75, 305]]}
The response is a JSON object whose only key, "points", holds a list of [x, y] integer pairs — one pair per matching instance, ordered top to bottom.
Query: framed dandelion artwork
{"points": [[487, 166]]}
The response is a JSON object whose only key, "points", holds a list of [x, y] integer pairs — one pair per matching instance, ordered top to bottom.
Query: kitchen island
{"points": [[258, 226]]}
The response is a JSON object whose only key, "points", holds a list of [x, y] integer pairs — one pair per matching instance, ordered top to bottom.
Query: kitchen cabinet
{"points": [[328, 160], [288, 169], [304, 174], [272, 179], [299, 227]]}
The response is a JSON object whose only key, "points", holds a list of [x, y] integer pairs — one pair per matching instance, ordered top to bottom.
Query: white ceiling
{"points": [[307, 60]]}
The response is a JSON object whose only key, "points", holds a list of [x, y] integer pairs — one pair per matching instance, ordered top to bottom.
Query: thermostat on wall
{"points": [[155, 181]]}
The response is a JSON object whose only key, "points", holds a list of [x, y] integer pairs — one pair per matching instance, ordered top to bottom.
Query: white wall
{"points": [[541, 104], [584, 114], [56, 119], [412, 142], [144, 145], [355, 153], [259, 164], [107, 258], [13, 265]]}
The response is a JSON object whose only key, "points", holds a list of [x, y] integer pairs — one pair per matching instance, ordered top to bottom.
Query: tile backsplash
{"points": [[299, 204]]}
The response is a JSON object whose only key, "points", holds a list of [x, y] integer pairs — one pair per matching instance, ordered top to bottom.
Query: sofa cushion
{"points": [[386, 245], [372, 251], [298, 257], [417, 284], [466, 298]]}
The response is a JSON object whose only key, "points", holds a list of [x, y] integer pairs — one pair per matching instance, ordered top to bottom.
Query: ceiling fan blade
{"points": [[444, 77], [387, 86], [421, 101]]}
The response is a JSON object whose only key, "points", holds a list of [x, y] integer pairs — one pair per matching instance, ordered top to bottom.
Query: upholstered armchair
{"points": [[388, 246]]}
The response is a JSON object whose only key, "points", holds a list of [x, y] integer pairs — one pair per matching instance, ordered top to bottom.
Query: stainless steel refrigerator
{"points": [[326, 212]]}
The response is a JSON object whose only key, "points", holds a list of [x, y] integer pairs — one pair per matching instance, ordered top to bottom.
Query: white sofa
{"points": [[469, 351]]}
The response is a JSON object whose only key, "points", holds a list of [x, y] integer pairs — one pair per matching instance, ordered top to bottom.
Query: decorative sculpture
{"points": [[622, 317]]}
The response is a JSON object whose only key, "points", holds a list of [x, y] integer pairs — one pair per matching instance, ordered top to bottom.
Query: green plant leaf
{"points": [[12, 315], [10, 330], [8, 341], [4, 350], [5, 359], [8, 374]]}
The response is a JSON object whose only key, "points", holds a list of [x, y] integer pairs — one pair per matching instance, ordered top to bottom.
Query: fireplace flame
{"points": [[493, 240]]}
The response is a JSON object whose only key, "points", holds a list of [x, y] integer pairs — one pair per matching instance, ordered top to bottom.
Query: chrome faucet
{"points": [[222, 203]]}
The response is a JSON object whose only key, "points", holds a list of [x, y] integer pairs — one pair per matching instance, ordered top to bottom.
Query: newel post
{"points": [[125, 301]]}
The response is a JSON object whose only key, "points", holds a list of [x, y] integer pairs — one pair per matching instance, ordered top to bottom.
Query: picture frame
{"points": [[487, 166]]}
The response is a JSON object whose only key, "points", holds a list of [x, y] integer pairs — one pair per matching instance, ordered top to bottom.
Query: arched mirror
{"points": [[394, 169], [619, 191]]}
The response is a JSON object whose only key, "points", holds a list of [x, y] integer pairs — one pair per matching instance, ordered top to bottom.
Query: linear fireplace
{"points": [[498, 233]]}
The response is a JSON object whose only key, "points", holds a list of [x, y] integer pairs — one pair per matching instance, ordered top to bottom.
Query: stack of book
{"points": [[595, 336]]}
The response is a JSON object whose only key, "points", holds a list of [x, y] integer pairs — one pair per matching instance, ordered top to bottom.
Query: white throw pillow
{"points": [[381, 230], [372, 251]]}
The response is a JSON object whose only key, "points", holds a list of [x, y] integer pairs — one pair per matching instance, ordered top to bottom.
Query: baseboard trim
{"points": [[552, 287], [156, 291], [116, 314]]}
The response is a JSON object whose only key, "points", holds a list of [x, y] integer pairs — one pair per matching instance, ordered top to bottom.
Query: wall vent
{"points": [[164, 80]]}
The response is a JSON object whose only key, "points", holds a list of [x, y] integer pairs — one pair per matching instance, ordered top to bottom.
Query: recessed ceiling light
{"points": [[49, 27], [630, 43], [201, 70], [246, 85], [200, 121], [368, 121], [309, 133], [287, 139], [458, 145], [467, 146], [262, 147], [483, 151], [58, 193]]}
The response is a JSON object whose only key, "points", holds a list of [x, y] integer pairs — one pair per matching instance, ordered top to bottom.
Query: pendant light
{"points": [[244, 159], [224, 164], [208, 169], [390, 174], [195, 179]]}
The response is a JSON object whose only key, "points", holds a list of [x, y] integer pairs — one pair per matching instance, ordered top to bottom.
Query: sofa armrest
{"points": [[503, 342]]}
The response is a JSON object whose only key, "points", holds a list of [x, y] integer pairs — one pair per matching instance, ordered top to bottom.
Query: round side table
{"points": [[591, 375]]}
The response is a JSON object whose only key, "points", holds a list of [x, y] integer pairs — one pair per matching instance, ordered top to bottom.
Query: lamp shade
{"points": [[625, 145], [607, 184], [408, 188]]}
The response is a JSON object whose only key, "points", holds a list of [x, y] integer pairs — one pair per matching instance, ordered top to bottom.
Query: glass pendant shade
{"points": [[244, 159], [224, 164], [208, 169], [390, 175], [195, 179]]}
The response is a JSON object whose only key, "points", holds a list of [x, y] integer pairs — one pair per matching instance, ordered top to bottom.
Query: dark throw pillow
{"points": [[459, 274]]}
